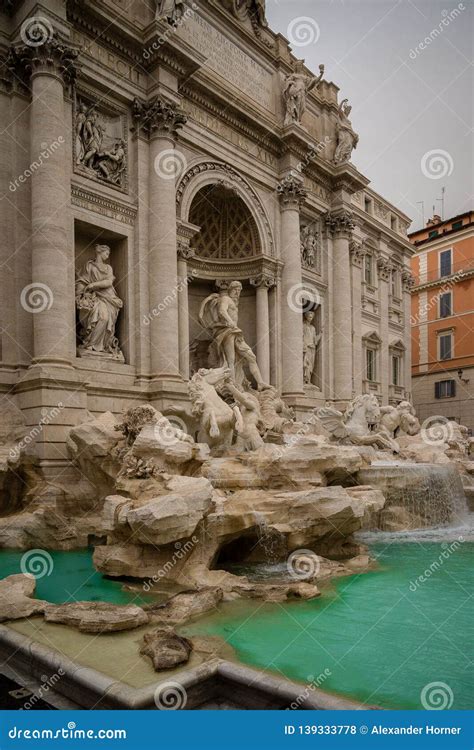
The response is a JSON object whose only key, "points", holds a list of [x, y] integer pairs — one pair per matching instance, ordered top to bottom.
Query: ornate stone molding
{"points": [[53, 57], [158, 117], [230, 178], [292, 193], [105, 206], [340, 223], [185, 252], [357, 252], [384, 268], [264, 280], [408, 281]]}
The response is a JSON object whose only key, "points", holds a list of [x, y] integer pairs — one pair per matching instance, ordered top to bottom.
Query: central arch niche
{"points": [[228, 229]]}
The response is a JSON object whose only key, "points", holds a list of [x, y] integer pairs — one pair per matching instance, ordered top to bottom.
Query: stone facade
{"points": [[125, 132]]}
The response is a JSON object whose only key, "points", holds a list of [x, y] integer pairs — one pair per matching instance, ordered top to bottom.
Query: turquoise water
{"points": [[72, 578], [379, 640]]}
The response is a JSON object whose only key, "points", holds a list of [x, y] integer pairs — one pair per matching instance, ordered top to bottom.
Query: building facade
{"points": [[155, 152], [443, 319]]}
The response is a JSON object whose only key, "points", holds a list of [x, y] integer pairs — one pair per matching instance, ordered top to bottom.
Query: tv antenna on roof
{"points": [[441, 200], [422, 204]]}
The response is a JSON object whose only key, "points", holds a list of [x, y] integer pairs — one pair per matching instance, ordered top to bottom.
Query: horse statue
{"points": [[217, 419], [359, 424]]}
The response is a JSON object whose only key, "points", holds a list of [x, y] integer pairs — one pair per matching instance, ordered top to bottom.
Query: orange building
{"points": [[442, 319]]}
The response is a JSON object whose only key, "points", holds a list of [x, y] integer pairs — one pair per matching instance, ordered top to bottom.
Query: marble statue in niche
{"points": [[171, 10], [297, 86], [347, 139], [98, 152], [310, 247], [98, 306], [219, 315], [311, 340]]}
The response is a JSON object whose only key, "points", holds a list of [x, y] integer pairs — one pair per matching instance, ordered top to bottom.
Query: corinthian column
{"points": [[50, 66], [161, 120], [292, 196], [340, 224], [357, 258], [262, 284]]}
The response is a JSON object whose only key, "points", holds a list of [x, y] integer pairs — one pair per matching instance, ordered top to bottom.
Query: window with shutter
{"points": [[445, 263], [445, 305], [445, 346]]}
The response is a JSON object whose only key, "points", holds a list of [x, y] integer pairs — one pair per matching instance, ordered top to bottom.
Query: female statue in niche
{"points": [[98, 305], [311, 341]]}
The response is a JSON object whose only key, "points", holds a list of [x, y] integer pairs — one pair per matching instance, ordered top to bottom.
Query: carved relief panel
{"points": [[99, 141]]}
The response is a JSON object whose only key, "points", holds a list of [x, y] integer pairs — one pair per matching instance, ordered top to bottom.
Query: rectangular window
{"points": [[457, 225], [432, 234], [445, 263], [368, 276], [394, 284], [445, 305], [446, 346], [396, 361], [370, 365], [445, 389]]}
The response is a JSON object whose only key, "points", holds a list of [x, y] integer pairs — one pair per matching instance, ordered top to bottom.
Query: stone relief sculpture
{"points": [[171, 10], [297, 86], [347, 139], [90, 152], [310, 247], [98, 307], [219, 315], [311, 340], [275, 414], [355, 425], [248, 438]]}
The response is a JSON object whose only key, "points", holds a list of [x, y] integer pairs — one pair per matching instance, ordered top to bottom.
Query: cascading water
{"points": [[432, 494], [269, 539]]}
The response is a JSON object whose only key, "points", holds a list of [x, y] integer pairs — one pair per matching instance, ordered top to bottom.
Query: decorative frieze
{"points": [[99, 144], [102, 205], [311, 247]]}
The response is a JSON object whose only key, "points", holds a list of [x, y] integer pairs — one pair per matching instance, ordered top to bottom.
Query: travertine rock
{"points": [[92, 446], [16, 600], [185, 606], [97, 617], [165, 648]]}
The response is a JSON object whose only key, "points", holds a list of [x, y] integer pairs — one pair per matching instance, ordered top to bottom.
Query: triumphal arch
{"points": [[154, 154]]}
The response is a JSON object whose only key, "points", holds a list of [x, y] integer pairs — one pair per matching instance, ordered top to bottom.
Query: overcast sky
{"points": [[412, 107]]}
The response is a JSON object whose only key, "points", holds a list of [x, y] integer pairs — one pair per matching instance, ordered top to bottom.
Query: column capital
{"points": [[53, 57], [158, 117], [292, 193], [339, 223], [185, 252], [357, 252], [408, 280], [267, 281]]}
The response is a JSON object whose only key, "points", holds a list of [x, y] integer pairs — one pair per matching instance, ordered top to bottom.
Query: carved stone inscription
{"points": [[228, 60]]}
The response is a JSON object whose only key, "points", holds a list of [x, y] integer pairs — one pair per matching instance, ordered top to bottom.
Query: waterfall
{"points": [[432, 494], [269, 539]]}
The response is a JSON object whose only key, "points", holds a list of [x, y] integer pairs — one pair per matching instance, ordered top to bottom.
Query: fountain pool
{"points": [[72, 578], [379, 637]]}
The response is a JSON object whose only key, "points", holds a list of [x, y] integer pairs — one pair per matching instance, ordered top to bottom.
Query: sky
{"points": [[406, 68]]}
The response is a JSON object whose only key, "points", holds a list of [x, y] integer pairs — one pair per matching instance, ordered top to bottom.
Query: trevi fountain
{"points": [[214, 489]]}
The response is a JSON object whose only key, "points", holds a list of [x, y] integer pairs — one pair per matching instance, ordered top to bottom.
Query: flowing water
{"points": [[380, 637]]}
